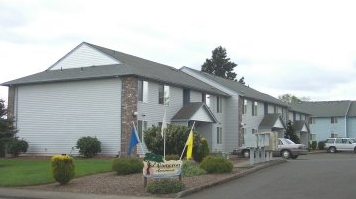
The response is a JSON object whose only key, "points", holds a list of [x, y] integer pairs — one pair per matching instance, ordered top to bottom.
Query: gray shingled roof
{"points": [[131, 66], [246, 91], [325, 108], [299, 109], [352, 110], [187, 111], [269, 120], [298, 125]]}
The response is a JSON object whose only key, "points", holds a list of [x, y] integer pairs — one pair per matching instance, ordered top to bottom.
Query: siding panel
{"points": [[52, 117]]}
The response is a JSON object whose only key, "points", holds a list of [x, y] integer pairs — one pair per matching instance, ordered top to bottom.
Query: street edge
{"points": [[230, 178]]}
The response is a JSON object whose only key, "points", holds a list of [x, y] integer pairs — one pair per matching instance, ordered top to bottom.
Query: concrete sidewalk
{"points": [[23, 193]]}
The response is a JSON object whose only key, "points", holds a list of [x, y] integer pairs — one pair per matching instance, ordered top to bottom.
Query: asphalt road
{"points": [[326, 176]]}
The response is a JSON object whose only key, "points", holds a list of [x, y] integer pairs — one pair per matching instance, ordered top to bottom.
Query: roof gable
{"points": [[83, 55], [196, 111], [272, 121]]}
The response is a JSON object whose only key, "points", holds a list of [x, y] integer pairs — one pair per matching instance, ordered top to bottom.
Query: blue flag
{"points": [[133, 141]]}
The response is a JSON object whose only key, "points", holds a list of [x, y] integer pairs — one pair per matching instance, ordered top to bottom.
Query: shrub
{"points": [[176, 137], [313, 145], [321, 145], [16, 146], [88, 146], [202, 150], [172, 157], [214, 164], [124, 166], [191, 168], [63, 169], [165, 186]]}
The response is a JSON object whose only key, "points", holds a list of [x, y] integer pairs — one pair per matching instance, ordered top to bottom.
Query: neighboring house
{"points": [[95, 91], [245, 111], [330, 118]]}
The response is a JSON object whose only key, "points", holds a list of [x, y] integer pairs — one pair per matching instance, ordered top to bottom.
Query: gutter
{"points": [[348, 108]]}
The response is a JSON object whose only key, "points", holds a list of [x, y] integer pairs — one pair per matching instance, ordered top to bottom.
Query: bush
{"points": [[176, 137], [314, 145], [321, 145], [16, 146], [88, 146], [202, 150], [172, 157], [214, 164], [124, 166], [191, 168], [63, 169], [165, 186]]}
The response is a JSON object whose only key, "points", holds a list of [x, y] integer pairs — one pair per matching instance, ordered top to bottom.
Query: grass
{"points": [[32, 171]]}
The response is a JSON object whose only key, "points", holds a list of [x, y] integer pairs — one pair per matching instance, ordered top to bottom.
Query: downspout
{"points": [[348, 108]]}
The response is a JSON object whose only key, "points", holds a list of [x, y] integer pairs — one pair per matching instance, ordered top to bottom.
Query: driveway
{"points": [[324, 175]]}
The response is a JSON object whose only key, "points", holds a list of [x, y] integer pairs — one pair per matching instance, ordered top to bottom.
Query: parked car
{"points": [[333, 145], [286, 149]]}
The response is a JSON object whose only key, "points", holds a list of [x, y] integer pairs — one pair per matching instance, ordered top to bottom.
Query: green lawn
{"points": [[31, 171]]}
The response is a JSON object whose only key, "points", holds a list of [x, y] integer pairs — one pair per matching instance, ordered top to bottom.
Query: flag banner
{"points": [[133, 141], [190, 145]]}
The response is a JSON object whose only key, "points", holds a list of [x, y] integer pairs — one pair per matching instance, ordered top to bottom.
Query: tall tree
{"points": [[219, 64], [292, 99], [7, 129], [290, 133]]}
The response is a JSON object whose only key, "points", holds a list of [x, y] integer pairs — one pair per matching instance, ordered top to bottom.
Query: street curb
{"points": [[230, 178]]}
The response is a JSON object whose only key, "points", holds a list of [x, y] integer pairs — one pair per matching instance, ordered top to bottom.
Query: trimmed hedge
{"points": [[215, 164], [124, 166], [63, 169], [165, 186]]}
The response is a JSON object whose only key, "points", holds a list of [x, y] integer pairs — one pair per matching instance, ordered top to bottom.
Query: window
{"points": [[142, 91], [163, 94], [206, 99], [219, 104], [244, 108], [254, 109], [311, 120], [333, 120], [141, 127], [254, 131], [218, 135], [243, 136], [312, 136]]}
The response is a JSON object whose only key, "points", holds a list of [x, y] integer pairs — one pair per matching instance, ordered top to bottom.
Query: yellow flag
{"points": [[190, 145]]}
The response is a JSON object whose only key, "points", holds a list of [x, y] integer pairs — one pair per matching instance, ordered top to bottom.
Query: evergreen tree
{"points": [[219, 64], [242, 80], [7, 129], [290, 133]]}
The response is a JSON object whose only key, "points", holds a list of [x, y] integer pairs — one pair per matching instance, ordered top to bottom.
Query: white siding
{"points": [[83, 56], [195, 96], [152, 112], [52, 117], [231, 126]]}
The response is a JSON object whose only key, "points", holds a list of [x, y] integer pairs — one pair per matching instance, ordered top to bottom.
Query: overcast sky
{"points": [[305, 48]]}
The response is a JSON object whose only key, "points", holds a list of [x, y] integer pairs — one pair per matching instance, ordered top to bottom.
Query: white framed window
{"points": [[142, 91], [163, 94], [206, 99], [218, 104], [244, 108], [254, 109], [311, 120], [333, 120], [141, 127], [243, 131], [219, 135], [312, 137]]}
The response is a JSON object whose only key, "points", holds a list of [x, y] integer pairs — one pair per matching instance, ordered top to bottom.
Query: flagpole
{"points": [[133, 123], [185, 146]]}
